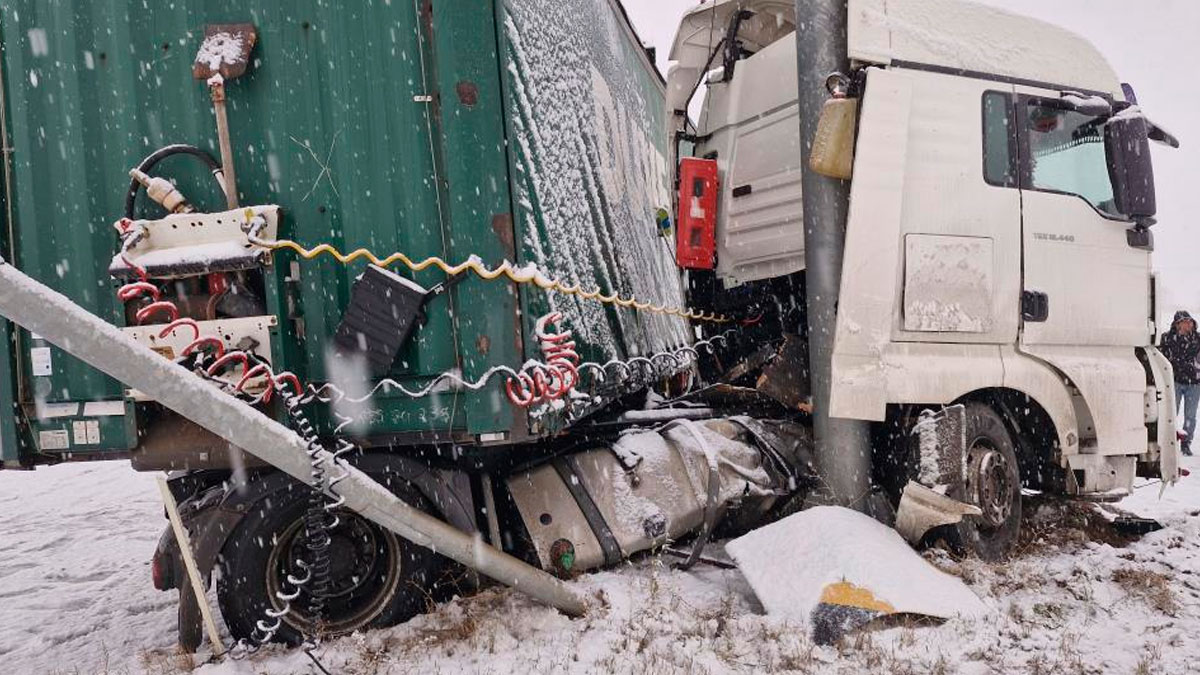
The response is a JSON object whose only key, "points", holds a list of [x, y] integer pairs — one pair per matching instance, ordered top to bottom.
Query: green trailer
{"points": [[524, 131], [506, 163]]}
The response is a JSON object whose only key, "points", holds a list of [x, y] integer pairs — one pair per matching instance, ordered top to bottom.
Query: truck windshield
{"points": [[1066, 151]]}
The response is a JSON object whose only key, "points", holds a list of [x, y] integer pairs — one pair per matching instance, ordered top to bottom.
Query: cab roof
{"points": [[703, 26], [957, 36], [975, 39]]}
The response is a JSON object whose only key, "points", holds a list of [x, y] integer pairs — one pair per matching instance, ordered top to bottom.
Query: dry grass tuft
{"points": [[1054, 522], [1152, 587], [176, 662]]}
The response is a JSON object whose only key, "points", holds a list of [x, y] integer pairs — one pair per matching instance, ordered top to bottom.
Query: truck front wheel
{"points": [[993, 483], [376, 578]]}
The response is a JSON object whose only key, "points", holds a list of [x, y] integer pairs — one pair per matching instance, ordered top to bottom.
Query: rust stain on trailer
{"points": [[468, 93], [502, 225]]}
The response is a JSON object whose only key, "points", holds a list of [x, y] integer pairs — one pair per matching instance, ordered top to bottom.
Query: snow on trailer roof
{"points": [[977, 39]]}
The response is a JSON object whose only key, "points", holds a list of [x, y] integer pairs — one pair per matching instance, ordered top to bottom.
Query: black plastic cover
{"points": [[383, 309]]}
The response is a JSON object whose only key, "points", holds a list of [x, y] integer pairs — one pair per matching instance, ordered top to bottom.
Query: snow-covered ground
{"points": [[75, 548], [75, 597]]}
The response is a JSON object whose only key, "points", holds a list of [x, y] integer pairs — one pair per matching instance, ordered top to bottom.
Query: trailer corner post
{"points": [[842, 446]]}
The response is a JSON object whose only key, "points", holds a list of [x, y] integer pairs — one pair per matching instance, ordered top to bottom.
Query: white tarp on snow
{"points": [[789, 563]]}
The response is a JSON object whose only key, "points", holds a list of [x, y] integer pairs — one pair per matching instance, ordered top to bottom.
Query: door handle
{"points": [[1035, 306]]}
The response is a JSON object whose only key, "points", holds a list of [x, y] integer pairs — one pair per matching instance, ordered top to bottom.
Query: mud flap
{"points": [[942, 439], [942, 469], [836, 570], [191, 627]]}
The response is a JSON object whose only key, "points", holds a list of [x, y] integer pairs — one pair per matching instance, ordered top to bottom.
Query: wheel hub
{"points": [[991, 481], [353, 555], [364, 574]]}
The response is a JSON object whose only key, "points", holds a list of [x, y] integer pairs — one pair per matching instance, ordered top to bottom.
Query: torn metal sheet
{"points": [[786, 377], [922, 509]]}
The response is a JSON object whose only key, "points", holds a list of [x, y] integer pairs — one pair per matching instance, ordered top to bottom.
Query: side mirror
{"points": [[1157, 133], [1127, 142]]}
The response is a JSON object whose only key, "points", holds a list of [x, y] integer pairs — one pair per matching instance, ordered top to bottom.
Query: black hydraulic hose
{"points": [[733, 48], [704, 73], [159, 155]]}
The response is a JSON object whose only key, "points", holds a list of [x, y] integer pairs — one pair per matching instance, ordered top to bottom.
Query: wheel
{"points": [[993, 483], [377, 579]]}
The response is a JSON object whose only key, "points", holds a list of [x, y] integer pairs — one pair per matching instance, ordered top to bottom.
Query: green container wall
{"points": [[586, 112], [438, 128], [10, 438]]}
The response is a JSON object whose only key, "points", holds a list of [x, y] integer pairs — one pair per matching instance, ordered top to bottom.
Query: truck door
{"points": [[1086, 289]]}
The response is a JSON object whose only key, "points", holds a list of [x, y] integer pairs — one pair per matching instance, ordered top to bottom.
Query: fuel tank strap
{"points": [[568, 470]]}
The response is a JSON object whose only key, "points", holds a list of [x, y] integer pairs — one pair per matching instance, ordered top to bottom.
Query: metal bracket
{"points": [[191, 244], [229, 331]]}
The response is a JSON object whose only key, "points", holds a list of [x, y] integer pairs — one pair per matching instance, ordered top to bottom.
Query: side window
{"points": [[999, 140], [1066, 154]]}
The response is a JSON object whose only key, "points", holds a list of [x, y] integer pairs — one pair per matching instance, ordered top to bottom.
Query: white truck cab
{"points": [[997, 244]]}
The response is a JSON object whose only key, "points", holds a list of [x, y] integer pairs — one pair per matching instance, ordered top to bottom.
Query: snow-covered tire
{"points": [[993, 483], [380, 579]]}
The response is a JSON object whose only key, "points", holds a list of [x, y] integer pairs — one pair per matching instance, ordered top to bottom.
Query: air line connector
{"points": [[163, 191]]}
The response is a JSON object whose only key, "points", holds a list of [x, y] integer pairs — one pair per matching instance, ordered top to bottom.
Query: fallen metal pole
{"points": [[102, 345], [842, 447]]}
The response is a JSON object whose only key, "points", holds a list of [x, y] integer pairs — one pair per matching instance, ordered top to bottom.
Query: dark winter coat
{"points": [[1182, 349]]}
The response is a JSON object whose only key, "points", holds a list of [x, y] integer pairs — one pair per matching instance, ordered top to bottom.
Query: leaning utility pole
{"points": [[35, 307], [843, 452]]}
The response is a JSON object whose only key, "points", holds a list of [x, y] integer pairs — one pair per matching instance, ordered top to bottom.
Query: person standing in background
{"points": [[1181, 346]]}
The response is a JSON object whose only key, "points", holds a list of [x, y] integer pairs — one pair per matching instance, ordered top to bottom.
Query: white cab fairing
{"points": [[702, 30], [968, 37], [753, 124]]}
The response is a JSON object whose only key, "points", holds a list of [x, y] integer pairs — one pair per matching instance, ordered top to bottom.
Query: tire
{"points": [[993, 483], [378, 579]]}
